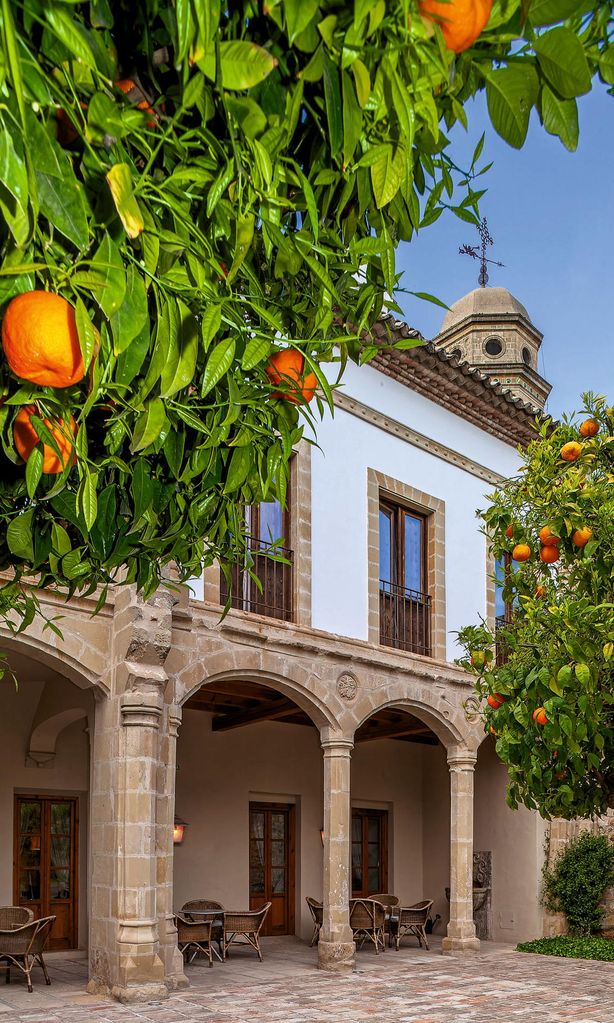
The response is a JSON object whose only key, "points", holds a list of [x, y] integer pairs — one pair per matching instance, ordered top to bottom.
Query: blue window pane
{"points": [[271, 521], [385, 546], [413, 553], [499, 584]]}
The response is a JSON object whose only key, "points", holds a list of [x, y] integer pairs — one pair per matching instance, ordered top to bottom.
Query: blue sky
{"points": [[551, 214]]}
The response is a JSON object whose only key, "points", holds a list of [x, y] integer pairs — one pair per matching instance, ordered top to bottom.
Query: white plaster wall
{"points": [[349, 447], [68, 775], [516, 839]]}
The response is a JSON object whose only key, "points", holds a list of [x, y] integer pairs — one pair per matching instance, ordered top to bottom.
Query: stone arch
{"points": [[67, 656], [313, 705], [443, 718], [44, 736]]}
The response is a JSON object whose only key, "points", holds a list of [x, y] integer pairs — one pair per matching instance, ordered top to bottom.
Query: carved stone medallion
{"points": [[347, 686]]}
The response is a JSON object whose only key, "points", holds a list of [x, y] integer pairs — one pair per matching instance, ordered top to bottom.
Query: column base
{"points": [[450, 945], [336, 956], [176, 982], [128, 995]]}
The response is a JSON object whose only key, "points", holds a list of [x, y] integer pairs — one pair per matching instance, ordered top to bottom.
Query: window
{"points": [[493, 346], [526, 356], [267, 524], [404, 605], [504, 609], [369, 853]]}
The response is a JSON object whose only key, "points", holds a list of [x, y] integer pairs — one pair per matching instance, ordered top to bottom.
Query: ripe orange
{"points": [[461, 21], [133, 91], [40, 339], [287, 367], [589, 428], [26, 439], [571, 451], [509, 532], [581, 536], [548, 538], [521, 552], [549, 555], [540, 591], [495, 700], [539, 716], [492, 730]]}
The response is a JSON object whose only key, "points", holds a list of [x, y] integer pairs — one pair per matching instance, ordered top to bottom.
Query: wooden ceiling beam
{"points": [[271, 711], [392, 731]]}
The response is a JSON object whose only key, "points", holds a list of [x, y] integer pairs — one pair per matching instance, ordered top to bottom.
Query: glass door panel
{"points": [[271, 865]]}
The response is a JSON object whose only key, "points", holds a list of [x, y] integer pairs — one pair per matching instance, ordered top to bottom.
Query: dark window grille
{"points": [[273, 598], [405, 618]]}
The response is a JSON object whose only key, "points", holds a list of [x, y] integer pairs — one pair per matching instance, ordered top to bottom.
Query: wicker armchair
{"points": [[390, 904], [317, 913], [14, 916], [367, 920], [412, 920], [246, 924], [217, 928], [194, 936], [23, 947]]}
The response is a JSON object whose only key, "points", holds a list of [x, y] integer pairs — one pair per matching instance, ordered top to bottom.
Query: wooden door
{"points": [[369, 853], [45, 863], [271, 864]]}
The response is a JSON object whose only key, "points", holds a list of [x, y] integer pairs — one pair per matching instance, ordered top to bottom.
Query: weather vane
{"points": [[474, 252]]}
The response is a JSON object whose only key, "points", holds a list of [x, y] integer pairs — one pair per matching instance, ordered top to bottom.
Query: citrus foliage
{"points": [[206, 183], [554, 727], [578, 880], [571, 948]]}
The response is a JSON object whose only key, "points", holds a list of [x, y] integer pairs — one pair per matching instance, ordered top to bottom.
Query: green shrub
{"points": [[578, 880], [571, 948]]}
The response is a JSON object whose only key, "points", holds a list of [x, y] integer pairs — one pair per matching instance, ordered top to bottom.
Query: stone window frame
{"points": [[494, 337], [379, 485], [300, 543]]}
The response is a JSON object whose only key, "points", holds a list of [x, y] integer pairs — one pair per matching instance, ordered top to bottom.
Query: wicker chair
{"points": [[390, 904], [317, 911], [14, 916], [367, 920], [412, 920], [245, 924], [217, 928], [194, 936], [23, 947]]}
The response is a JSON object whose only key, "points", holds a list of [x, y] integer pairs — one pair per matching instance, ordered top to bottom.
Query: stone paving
{"points": [[413, 986]]}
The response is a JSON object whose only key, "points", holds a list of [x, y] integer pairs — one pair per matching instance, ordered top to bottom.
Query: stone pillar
{"points": [[167, 769], [461, 929], [336, 948], [125, 954]]}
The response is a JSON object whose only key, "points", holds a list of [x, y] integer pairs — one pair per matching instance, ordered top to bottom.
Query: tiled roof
{"points": [[456, 385]]}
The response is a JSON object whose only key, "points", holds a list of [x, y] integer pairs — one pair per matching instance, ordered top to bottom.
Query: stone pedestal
{"points": [[461, 936], [336, 948]]}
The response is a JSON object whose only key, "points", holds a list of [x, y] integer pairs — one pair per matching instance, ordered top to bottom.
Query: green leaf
{"points": [[548, 12], [298, 15], [70, 33], [563, 62], [243, 64], [606, 65], [362, 82], [511, 93], [332, 99], [560, 117], [352, 119], [387, 174], [14, 177], [119, 181], [63, 203], [245, 234], [109, 268], [132, 317], [212, 318], [88, 335], [256, 350], [218, 363], [179, 371], [149, 425], [34, 470], [238, 470], [142, 487], [87, 499], [19, 536], [583, 674]]}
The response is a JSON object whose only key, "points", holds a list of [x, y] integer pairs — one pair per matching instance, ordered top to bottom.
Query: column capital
{"points": [[142, 709], [174, 720], [339, 747], [461, 759]]}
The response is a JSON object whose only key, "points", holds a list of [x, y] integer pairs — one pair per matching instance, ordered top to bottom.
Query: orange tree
{"points": [[204, 185], [550, 704]]}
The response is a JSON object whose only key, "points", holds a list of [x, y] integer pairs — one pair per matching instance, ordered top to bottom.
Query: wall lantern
{"points": [[178, 831], [322, 835]]}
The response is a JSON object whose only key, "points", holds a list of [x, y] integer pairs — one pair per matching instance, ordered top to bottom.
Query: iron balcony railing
{"points": [[273, 597], [404, 618]]}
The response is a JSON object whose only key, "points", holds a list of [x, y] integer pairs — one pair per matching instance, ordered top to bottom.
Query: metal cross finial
{"points": [[473, 251]]}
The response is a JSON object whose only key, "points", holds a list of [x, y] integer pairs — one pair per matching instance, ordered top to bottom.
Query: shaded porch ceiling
{"points": [[235, 704]]}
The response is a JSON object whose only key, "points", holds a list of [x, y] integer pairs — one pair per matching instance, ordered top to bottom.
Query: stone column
{"points": [[167, 769], [461, 929], [336, 948], [125, 959]]}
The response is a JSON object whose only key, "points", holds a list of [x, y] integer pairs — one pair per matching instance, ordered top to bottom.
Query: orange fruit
{"points": [[461, 21], [127, 86], [40, 339], [287, 367], [589, 428], [26, 439], [571, 451], [509, 532], [581, 536], [548, 538], [521, 552], [549, 555], [540, 591], [495, 700], [539, 716], [492, 730], [560, 775]]}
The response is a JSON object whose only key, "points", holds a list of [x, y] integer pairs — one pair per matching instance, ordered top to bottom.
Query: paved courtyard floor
{"points": [[413, 986]]}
